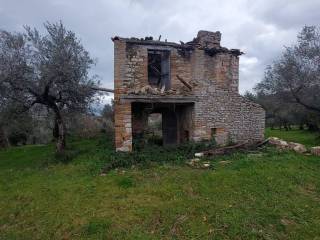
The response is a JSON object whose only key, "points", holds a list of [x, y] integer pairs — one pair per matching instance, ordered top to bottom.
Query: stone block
{"points": [[315, 150]]}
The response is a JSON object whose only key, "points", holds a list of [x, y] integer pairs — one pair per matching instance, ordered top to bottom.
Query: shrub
{"points": [[155, 153]]}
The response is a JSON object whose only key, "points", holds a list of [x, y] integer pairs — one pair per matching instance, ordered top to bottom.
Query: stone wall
{"points": [[135, 74], [219, 104], [218, 111]]}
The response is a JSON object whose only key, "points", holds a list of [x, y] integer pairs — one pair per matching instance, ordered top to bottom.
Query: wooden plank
{"points": [[184, 82], [159, 99]]}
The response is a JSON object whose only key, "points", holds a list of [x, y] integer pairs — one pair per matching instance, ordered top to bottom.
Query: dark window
{"points": [[159, 69]]}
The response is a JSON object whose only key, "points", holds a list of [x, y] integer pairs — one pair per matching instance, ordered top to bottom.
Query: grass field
{"points": [[258, 195]]}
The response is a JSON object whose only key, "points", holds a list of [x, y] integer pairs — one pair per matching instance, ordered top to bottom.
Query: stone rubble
{"points": [[297, 147], [315, 150], [199, 154], [196, 163]]}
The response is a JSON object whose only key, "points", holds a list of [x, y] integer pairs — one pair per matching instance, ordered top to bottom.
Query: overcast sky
{"points": [[259, 28]]}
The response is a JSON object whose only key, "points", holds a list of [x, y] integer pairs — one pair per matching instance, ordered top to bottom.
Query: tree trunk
{"points": [[301, 126], [312, 127], [55, 130], [60, 132], [4, 142]]}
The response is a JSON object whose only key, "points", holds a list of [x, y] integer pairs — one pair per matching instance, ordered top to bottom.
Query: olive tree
{"points": [[51, 70], [295, 76], [290, 89]]}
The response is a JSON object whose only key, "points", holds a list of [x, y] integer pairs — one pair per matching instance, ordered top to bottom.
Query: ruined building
{"points": [[193, 85]]}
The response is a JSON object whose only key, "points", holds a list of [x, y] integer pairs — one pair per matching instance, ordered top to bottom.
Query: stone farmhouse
{"points": [[193, 85]]}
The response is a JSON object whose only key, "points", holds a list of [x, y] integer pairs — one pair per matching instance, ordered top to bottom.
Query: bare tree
{"points": [[50, 70]]}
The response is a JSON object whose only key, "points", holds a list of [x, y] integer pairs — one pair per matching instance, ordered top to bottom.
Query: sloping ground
{"points": [[265, 195]]}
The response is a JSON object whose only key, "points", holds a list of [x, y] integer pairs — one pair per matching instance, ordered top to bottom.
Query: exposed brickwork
{"points": [[213, 73]]}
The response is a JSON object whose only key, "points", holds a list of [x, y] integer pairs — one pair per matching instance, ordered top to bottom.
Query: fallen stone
{"points": [[273, 140], [278, 142], [283, 144], [297, 147], [315, 150], [200, 154], [193, 162], [225, 162], [206, 165]]}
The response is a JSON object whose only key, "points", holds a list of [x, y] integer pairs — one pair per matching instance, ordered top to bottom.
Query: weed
{"points": [[98, 227]]}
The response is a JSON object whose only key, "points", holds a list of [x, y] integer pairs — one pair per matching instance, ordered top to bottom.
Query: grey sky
{"points": [[259, 28]]}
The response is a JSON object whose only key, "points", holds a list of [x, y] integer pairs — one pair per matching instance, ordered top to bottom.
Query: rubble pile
{"points": [[150, 90], [281, 144], [198, 164]]}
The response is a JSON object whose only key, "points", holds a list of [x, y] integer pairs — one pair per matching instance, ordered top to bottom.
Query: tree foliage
{"points": [[50, 70], [290, 90]]}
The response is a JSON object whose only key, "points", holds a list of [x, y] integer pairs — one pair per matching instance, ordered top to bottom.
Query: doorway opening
{"points": [[161, 123], [153, 131]]}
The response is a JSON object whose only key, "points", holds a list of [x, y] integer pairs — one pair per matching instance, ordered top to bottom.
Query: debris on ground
{"points": [[281, 144], [297, 147], [232, 148], [222, 150], [315, 150], [199, 154], [193, 161], [225, 162], [196, 163], [206, 165]]}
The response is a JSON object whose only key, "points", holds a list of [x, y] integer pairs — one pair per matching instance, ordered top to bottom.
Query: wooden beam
{"points": [[184, 82], [157, 99]]}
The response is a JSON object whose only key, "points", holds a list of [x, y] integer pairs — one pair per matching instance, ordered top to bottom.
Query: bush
{"points": [[155, 153]]}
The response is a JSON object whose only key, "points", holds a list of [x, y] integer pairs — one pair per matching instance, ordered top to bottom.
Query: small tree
{"points": [[50, 70], [4, 142]]}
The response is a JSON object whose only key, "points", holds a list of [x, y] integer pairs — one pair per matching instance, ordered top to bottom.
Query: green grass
{"points": [[308, 138], [259, 195]]}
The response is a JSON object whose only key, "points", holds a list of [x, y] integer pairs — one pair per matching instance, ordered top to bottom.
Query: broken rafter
{"points": [[184, 82], [157, 99], [223, 150]]}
